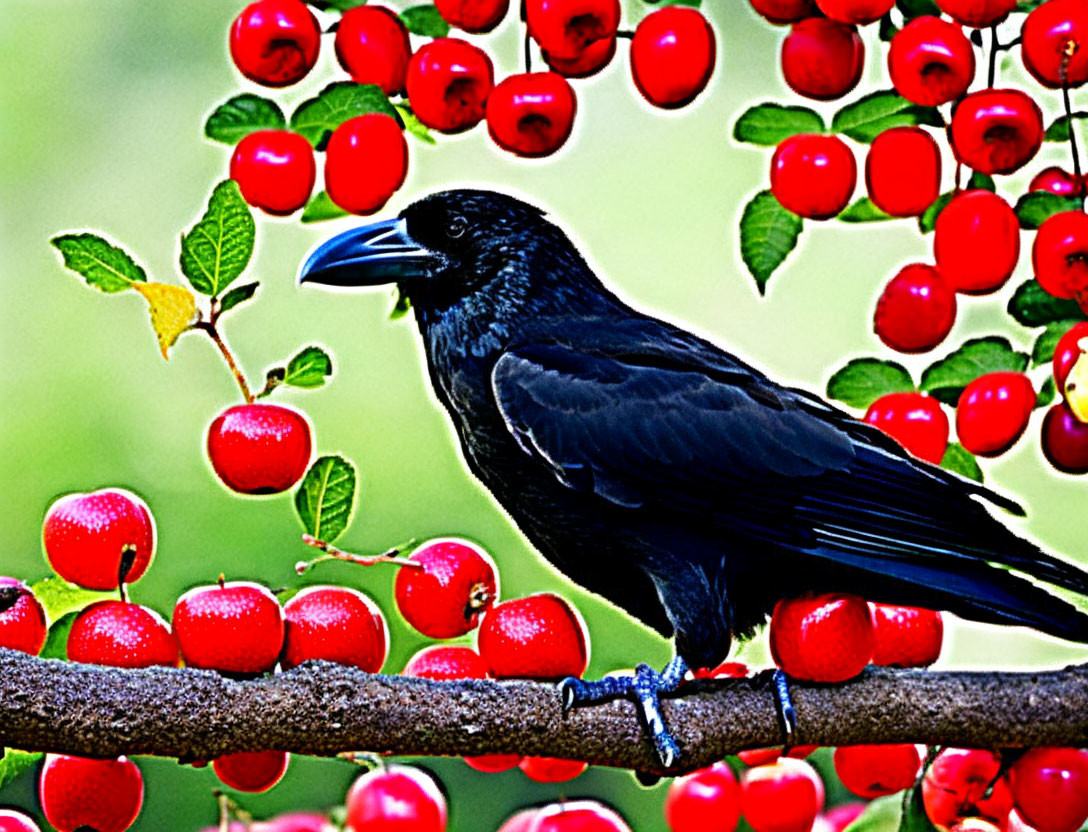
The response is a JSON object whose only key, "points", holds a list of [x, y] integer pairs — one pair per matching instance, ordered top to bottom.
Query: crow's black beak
{"points": [[369, 256]]}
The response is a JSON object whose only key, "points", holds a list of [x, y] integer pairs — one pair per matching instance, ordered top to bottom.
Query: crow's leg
{"points": [[645, 687], [787, 716]]}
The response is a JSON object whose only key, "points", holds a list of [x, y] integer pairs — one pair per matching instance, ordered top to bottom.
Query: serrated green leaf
{"points": [[916, 8], [425, 21], [237, 117], [317, 117], [868, 117], [769, 124], [413, 125], [981, 182], [1036, 207], [321, 208], [864, 210], [928, 221], [768, 233], [217, 249], [103, 265], [237, 295], [1032, 305], [1042, 351], [309, 368], [945, 379], [864, 380], [1046, 393], [957, 458], [325, 498], [59, 597], [56, 641], [15, 763], [881, 815], [914, 817]]}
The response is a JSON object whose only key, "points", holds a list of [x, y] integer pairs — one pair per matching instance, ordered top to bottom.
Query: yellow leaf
{"points": [[172, 310]]}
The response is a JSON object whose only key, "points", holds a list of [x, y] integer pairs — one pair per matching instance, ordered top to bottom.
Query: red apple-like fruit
{"points": [[785, 12], [978, 14], [475, 16], [566, 28], [275, 42], [1054, 43], [373, 48], [672, 56], [822, 59], [931, 61], [448, 83], [531, 114], [996, 131], [366, 161], [275, 170], [903, 171], [813, 175], [976, 242], [1059, 255], [916, 310], [993, 412], [915, 421], [1065, 440], [259, 448], [455, 582], [22, 618], [334, 624], [233, 627], [122, 634], [906, 636], [539, 637], [822, 638], [251, 771], [871, 771], [1050, 788], [78, 793], [784, 796], [396, 798], [707, 800], [578, 816]]}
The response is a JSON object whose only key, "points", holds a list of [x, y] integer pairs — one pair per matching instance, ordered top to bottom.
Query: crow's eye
{"points": [[457, 227]]}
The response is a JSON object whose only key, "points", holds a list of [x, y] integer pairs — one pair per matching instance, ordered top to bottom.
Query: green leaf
{"points": [[917, 8], [425, 21], [237, 117], [317, 117], [868, 117], [412, 124], [768, 124], [1059, 131], [981, 182], [321, 208], [1035, 208], [864, 210], [928, 221], [768, 233], [217, 249], [103, 266], [237, 295], [1032, 305], [401, 307], [1042, 351], [309, 368], [945, 379], [864, 380], [1046, 393], [957, 458], [325, 499], [59, 597], [56, 641], [14, 763], [881, 815], [914, 817]]}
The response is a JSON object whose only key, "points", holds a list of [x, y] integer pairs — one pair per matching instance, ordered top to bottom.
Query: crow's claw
{"points": [[787, 716]]}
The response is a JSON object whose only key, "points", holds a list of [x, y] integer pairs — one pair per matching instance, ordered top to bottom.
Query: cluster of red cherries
{"points": [[448, 84], [991, 131]]}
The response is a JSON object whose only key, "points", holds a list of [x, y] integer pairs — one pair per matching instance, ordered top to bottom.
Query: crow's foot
{"points": [[645, 687], [787, 716]]}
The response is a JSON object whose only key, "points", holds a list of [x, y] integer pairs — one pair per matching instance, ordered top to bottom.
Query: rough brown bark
{"points": [[323, 709]]}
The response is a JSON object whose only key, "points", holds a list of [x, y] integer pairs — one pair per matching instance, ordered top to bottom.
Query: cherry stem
{"points": [[625, 33], [995, 47], [528, 51], [1063, 71], [212, 331], [333, 553], [128, 559], [9, 597], [479, 597], [363, 758], [228, 809]]}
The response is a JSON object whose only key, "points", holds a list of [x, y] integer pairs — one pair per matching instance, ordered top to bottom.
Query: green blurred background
{"points": [[101, 110]]}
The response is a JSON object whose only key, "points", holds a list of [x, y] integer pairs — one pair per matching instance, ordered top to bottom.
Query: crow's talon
{"points": [[787, 716]]}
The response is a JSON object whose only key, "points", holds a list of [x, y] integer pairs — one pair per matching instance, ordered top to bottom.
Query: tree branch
{"points": [[323, 709]]}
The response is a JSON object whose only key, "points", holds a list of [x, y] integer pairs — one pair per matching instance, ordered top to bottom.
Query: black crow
{"points": [[660, 471]]}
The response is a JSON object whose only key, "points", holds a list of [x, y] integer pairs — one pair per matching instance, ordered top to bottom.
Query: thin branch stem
{"points": [[528, 47], [995, 47], [1063, 71], [209, 328], [333, 553]]}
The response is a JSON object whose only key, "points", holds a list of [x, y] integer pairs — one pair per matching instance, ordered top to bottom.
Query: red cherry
{"points": [[782, 12], [858, 12], [977, 13], [475, 16], [566, 28], [1056, 34], [275, 42], [373, 48], [672, 56], [595, 58], [822, 59], [931, 61], [449, 81], [531, 114], [996, 131], [366, 161], [275, 170], [903, 171], [813, 175], [1056, 181], [976, 242], [1059, 255], [916, 310], [1067, 352], [993, 411], [915, 421], [1065, 440], [259, 448], [84, 536], [455, 583], [22, 618], [335, 624], [234, 627], [120, 634], [906, 636], [539, 637], [822, 638], [446, 661], [726, 670], [761, 756], [493, 763], [551, 769], [876, 770], [251, 771], [953, 788], [1050, 788], [105, 795], [784, 796], [396, 799], [707, 800], [578, 816], [839, 817], [12, 821], [519, 821]]}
